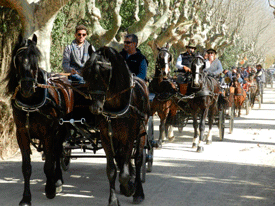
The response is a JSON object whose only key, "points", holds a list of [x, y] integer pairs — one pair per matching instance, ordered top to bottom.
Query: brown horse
{"points": [[164, 89], [206, 91], [239, 95], [120, 102], [38, 103]]}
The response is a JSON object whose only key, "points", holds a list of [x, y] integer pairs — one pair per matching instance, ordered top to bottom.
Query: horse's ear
{"points": [[20, 38], [34, 38], [157, 46], [167, 46], [91, 50]]}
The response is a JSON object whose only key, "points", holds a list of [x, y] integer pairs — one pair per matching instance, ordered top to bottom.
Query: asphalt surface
{"points": [[239, 170]]}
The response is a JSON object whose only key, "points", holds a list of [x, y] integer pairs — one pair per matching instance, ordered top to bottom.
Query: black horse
{"points": [[164, 89], [120, 102], [205, 102], [37, 106]]}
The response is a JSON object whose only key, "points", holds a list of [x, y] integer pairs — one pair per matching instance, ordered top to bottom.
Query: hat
{"points": [[191, 45], [210, 49]]}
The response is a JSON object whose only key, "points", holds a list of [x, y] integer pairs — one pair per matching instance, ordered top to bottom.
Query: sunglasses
{"points": [[81, 34], [128, 42]]}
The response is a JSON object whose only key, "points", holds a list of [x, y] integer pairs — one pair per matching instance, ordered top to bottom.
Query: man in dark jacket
{"points": [[185, 59], [136, 61]]}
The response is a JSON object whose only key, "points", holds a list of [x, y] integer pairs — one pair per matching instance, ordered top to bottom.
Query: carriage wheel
{"points": [[262, 94], [247, 105], [231, 120], [221, 124], [151, 143], [148, 150], [65, 159], [143, 167]]}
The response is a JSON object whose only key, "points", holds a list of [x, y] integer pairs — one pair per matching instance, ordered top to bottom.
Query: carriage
{"points": [[177, 102], [48, 110]]}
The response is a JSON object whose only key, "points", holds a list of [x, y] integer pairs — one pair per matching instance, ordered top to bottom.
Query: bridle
{"points": [[165, 63], [201, 76], [27, 79], [111, 114]]}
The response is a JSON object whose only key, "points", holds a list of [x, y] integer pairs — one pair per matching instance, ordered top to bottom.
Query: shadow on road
{"points": [[173, 182]]}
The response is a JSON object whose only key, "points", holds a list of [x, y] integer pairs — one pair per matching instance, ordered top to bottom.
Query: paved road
{"points": [[237, 171]]}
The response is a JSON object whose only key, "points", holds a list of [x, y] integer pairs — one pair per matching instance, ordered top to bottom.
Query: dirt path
{"points": [[237, 171]]}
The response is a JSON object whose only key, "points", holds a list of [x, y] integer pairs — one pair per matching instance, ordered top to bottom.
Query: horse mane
{"points": [[34, 57]]}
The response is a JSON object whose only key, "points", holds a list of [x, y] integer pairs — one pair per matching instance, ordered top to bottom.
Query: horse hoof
{"points": [[171, 139], [208, 142], [159, 144], [194, 145], [200, 149], [58, 186], [50, 192], [128, 192], [138, 200], [23, 203], [114, 203]]}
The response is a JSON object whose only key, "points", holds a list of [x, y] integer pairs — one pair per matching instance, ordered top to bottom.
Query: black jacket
{"points": [[187, 59], [134, 60]]}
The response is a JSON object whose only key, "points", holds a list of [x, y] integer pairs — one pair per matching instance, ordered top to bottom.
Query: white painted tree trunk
{"points": [[37, 16]]}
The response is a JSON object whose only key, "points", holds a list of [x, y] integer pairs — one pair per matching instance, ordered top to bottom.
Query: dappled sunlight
{"points": [[8, 180], [205, 180], [75, 195], [254, 197]]}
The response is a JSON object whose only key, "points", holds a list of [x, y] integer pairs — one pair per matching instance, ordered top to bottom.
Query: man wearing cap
{"points": [[185, 59], [215, 68]]}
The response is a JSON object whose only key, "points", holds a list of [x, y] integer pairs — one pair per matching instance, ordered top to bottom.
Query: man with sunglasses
{"points": [[76, 54], [135, 60], [215, 68]]}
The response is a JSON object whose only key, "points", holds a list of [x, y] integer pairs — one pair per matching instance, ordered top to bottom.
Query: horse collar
{"points": [[123, 112]]}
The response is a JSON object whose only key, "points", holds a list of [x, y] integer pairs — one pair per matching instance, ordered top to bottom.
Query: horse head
{"points": [[163, 61], [25, 66], [197, 66], [106, 74]]}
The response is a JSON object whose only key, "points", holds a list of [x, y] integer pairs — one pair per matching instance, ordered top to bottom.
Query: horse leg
{"points": [[239, 108], [210, 119], [202, 128], [161, 130], [196, 132], [170, 133], [24, 145], [59, 149], [49, 169], [111, 174], [126, 186], [139, 194]]}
